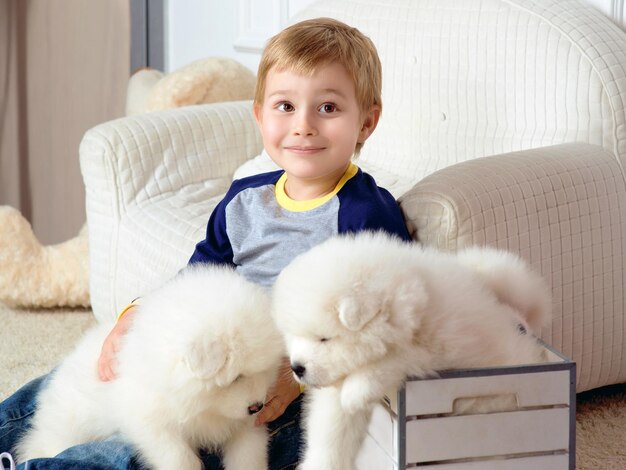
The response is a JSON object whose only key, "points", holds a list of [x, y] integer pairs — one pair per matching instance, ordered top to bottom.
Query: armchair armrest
{"points": [[137, 158], [518, 200], [563, 208]]}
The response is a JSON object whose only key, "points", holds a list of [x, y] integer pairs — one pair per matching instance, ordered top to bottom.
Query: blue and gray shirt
{"points": [[259, 229]]}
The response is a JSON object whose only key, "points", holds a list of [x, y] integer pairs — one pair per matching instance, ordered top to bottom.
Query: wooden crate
{"points": [[530, 424]]}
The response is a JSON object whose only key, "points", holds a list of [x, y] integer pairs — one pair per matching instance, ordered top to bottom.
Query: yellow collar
{"points": [[301, 206]]}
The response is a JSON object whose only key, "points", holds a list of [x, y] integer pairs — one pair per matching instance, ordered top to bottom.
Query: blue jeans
{"points": [[114, 453]]}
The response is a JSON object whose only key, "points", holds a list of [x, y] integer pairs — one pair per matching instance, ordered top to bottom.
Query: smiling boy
{"points": [[317, 101], [311, 126]]}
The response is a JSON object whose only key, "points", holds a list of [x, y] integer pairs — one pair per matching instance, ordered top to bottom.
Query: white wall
{"points": [[612, 8], [202, 28], [239, 28]]}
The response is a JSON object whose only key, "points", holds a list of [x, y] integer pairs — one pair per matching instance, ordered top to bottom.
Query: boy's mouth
{"points": [[304, 149]]}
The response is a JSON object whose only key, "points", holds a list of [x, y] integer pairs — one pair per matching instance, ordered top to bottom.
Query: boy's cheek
{"points": [[272, 132]]}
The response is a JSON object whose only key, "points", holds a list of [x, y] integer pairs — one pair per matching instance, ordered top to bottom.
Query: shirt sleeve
{"points": [[365, 206], [216, 247]]}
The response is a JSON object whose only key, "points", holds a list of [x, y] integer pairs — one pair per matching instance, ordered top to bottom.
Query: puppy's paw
{"points": [[357, 393]]}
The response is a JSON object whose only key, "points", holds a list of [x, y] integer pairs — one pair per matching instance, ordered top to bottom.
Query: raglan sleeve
{"points": [[368, 207], [393, 220], [216, 247]]}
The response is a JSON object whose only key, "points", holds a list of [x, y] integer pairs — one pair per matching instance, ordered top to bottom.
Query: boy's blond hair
{"points": [[308, 45]]}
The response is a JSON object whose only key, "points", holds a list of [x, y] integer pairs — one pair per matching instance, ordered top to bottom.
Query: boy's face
{"points": [[311, 124]]}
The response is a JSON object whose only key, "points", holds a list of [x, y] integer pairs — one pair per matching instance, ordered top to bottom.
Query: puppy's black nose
{"points": [[298, 369], [253, 409]]}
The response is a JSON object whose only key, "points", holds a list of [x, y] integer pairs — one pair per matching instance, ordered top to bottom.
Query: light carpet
{"points": [[32, 342]]}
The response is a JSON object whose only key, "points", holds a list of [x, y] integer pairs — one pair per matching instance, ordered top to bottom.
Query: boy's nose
{"points": [[304, 126], [304, 130], [307, 131]]}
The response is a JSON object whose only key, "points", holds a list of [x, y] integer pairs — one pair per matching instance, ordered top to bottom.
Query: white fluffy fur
{"points": [[361, 313], [201, 350]]}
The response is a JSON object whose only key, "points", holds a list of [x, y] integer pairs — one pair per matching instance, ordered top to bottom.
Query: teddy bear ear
{"points": [[139, 85], [354, 316], [205, 360]]}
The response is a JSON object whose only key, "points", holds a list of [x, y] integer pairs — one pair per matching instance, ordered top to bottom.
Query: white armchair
{"points": [[539, 85]]}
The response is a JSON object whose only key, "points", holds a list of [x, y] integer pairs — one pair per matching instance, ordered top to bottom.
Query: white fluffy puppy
{"points": [[360, 313], [194, 366]]}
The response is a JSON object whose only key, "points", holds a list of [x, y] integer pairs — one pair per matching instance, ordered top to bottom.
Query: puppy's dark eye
{"points": [[323, 340]]}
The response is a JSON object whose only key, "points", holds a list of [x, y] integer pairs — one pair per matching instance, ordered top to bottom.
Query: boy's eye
{"points": [[285, 107], [328, 108]]}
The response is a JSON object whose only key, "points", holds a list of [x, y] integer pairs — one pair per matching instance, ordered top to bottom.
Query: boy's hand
{"points": [[107, 362], [280, 395]]}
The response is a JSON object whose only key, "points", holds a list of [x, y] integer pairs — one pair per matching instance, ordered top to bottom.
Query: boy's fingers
{"points": [[107, 367], [102, 369], [112, 369], [103, 372], [109, 373], [271, 410], [260, 418]]}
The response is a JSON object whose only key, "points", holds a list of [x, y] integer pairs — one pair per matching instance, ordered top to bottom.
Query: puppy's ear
{"points": [[408, 299], [354, 316], [205, 360], [228, 373]]}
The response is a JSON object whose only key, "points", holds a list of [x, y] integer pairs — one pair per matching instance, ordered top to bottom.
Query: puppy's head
{"points": [[344, 304], [217, 343], [230, 375]]}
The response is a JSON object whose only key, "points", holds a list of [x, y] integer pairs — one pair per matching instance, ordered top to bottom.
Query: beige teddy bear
{"points": [[203, 81], [33, 275]]}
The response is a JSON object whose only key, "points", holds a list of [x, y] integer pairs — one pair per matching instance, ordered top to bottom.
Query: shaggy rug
{"points": [[31, 342]]}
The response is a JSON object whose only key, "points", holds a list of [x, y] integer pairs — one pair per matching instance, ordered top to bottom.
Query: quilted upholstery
{"points": [[503, 124], [151, 183]]}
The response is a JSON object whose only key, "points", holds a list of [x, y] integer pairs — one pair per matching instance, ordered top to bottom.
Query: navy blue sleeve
{"points": [[365, 206], [216, 247]]}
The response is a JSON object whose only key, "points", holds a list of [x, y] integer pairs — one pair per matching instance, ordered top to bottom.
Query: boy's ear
{"points": [[256, 108], [369, 123]]}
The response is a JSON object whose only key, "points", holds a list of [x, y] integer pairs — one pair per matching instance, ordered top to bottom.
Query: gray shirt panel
{"points": [[265, 237]]}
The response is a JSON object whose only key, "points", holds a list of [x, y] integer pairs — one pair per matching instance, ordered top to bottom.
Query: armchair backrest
{"points": [[469, 78]]}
